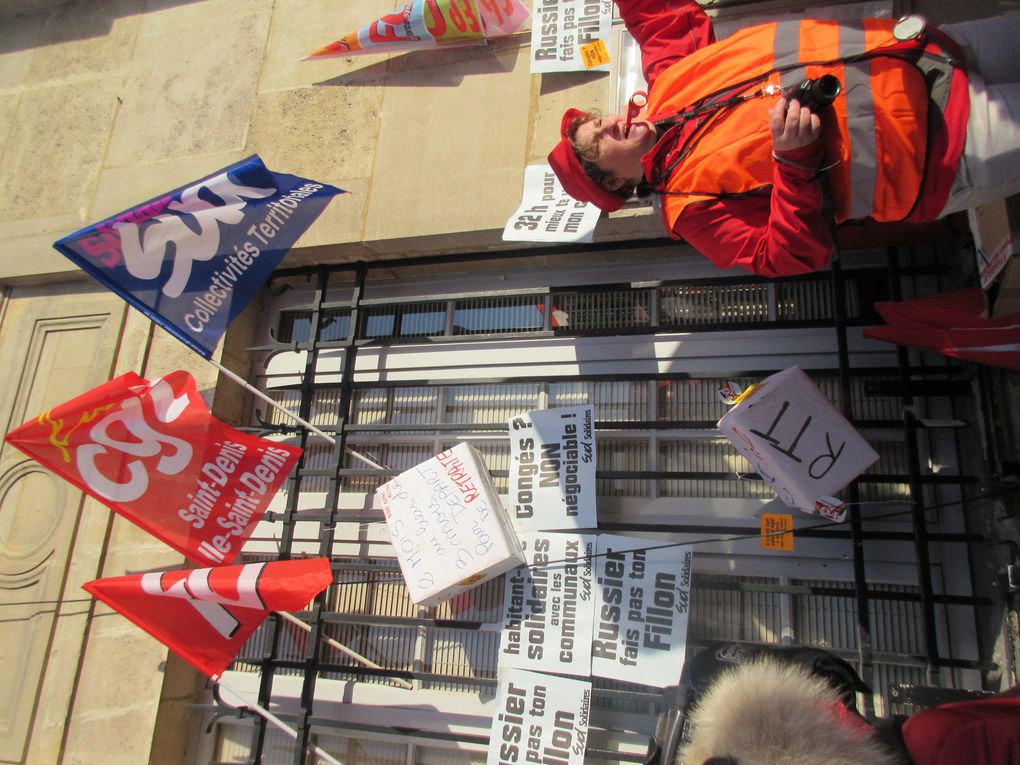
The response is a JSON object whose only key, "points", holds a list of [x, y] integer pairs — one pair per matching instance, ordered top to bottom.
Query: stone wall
{"points": [[104, 104]]}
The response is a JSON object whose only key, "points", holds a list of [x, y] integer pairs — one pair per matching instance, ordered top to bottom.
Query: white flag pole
{"points": [[286, 412], [343, 649], [265, 713]]}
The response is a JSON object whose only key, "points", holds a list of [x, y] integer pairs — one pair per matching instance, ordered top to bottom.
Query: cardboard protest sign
{"points": [[430, 24], [561, 29], [548, 213], [995, 228], [193, 258], [796, 440], [153, 453], [552, 469], [448, 528], [642, 600], [548, 608], [539, 719]]}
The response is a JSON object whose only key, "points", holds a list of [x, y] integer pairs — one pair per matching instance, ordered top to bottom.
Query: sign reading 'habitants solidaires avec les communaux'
{"points": [[548, 605]]}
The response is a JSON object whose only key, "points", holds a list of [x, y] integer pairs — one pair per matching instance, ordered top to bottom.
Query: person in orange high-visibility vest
{"points": [[920, 122]]}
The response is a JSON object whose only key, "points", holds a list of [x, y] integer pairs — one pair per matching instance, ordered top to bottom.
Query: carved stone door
{"points": [[55, 342]]}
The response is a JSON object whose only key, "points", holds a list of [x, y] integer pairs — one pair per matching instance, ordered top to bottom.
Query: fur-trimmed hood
{"points": [[768, 713]]}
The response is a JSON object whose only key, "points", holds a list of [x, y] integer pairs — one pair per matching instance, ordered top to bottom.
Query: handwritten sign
{"points": [[560, 28], [548, 214], [796, 440], [552, 469], [448, 528], [777, 531], [642, 599], [548, 607], [539, 719]]}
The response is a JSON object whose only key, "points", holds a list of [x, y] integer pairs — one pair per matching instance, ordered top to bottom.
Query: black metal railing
{"points": [[642, 420]]}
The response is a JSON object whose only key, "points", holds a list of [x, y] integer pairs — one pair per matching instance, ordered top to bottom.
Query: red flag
{"points": [[430, 24], [558, 317], [954, 324], [152, 452], [205, 615]]}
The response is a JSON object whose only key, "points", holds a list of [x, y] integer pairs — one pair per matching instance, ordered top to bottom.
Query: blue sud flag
{"points": [[192, 259]]}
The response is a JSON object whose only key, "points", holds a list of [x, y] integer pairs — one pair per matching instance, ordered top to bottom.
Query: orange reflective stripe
{"points": [[901, 134]]}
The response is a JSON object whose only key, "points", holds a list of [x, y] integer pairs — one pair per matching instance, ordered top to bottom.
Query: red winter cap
{"points": [[567, 167]]}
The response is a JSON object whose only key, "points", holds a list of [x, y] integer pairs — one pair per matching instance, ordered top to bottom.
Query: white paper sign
{"points": [[560, 27], [548, 214], [994, 241], [796, 440], [552, 469], [448, 528], [642, 599], [548, 608], [539, 719]]}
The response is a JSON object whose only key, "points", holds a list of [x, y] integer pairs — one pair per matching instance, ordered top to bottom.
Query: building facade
{"points": [[402, 323]]}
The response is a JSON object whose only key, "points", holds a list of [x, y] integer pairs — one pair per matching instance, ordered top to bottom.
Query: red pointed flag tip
{"points": [[421, 24], [345, 47], [953, 324], [152, 452], [205, 615]]}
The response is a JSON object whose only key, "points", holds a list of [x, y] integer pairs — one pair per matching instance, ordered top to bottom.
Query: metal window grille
{"points": [[656, 439]]}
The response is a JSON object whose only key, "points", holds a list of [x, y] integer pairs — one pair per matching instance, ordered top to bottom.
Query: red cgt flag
{"points": [[954, 324], [152, 452], [205, 615]]}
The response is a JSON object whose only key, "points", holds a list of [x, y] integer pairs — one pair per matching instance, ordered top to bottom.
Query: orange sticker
{"points": [[594, 54], [777, 531], [473, 579]]}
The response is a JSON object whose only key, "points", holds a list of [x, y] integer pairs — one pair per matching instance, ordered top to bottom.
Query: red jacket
{"points": [[782, 232], [770, 710], [981, 732]]}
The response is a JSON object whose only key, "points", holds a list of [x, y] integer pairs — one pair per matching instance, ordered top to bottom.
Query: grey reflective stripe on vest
{"points": [[786, 44], [786, 52], [860, 105], [860, 119]]}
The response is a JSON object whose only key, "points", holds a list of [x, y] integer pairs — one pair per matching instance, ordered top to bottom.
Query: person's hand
{"points": [[794, 127]]}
